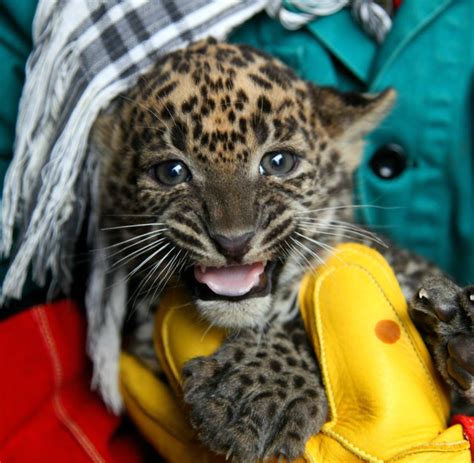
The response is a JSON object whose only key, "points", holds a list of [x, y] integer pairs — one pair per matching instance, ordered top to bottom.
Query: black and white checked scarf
{"points": [[85, 53]]}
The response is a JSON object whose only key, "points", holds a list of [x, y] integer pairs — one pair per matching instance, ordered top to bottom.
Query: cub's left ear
{"points": [[351, 115], [348, 117]]}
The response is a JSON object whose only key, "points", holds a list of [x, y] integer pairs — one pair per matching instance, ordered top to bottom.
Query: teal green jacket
{"points": [[428, 57]]}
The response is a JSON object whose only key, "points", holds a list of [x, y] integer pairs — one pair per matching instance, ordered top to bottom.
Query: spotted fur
{"points": [[219, 109]]}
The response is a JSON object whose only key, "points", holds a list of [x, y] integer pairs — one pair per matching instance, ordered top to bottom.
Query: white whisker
{"points": [[350, 206], [128, 215], [336, 223], [328, 226], [121, 227], [345, 230], [137, 240], [301, 245], [324, 246], [284, 250], [138, 252], [183, 263], [309, 265], [155, 266], [137, 269], [169, 269], [206, 331]]}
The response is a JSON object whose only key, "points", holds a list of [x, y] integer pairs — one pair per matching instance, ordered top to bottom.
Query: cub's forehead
{"points": [[208, 70], [220, 99]]}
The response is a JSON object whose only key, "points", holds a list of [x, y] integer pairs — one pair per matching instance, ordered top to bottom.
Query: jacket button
{"points": [[389, 161]]}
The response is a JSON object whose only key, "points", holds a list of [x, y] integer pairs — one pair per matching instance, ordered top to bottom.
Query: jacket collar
{"points": [[412, 17], [346, 41], [361, 55]]}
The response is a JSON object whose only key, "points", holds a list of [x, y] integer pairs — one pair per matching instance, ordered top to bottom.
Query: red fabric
{"points": [[397, 3], [47, 411], [467, 422]]}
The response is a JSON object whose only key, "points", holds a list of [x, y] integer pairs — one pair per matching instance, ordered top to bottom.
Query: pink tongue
{"points": [[230, 281]]}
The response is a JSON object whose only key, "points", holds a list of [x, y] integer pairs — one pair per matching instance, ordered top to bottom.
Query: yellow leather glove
{"points": [[386, 402]]}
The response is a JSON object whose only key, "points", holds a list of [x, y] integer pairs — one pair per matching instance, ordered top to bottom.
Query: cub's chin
{"points": [[244, 313]]}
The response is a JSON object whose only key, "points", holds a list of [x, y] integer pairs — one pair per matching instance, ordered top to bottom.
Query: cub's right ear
{"points": [[105, 134]]}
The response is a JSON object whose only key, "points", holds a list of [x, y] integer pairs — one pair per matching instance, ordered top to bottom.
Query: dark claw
{"points": [[470, 294], [423, 295], [467, 301], [443, 302], [461, 349], [458, 374]]}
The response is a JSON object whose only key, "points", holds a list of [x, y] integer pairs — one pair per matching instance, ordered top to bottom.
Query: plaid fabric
{"points": [[85, 53]]}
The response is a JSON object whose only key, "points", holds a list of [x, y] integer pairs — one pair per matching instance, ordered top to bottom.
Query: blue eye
{"points": [[277, 163], [170, 173]]}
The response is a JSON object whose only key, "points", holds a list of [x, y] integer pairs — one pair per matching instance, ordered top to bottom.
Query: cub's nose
{"points": [[233, 246]]}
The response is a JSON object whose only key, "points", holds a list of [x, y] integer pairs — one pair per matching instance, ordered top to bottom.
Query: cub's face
{"points": [[221, 170]]}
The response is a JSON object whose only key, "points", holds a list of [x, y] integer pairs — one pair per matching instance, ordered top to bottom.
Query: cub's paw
{"points": [[444, 314], [255, 407]]}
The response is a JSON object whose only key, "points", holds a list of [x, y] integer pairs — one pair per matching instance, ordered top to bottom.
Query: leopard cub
{"points": [[224, 172]]}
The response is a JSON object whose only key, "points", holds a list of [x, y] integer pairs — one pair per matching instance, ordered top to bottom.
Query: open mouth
{"points": [[234, 282]]}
